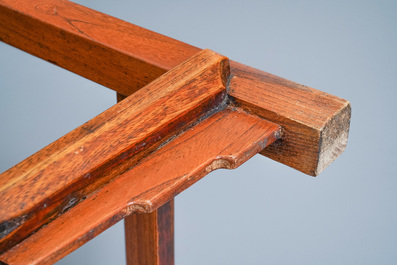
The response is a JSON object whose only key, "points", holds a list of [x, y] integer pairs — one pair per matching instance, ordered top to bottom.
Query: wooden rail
{"points": [[125, 57], [188, 112]]}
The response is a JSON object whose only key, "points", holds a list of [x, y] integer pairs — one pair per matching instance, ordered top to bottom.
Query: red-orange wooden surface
{"points": [[125, 58], [214, 143], [73, 167]]}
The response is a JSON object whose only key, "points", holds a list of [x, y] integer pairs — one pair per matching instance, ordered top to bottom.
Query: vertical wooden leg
{"points": [[150, 237]]}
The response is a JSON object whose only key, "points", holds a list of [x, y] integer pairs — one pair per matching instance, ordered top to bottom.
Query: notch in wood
{"points": [[61, 175]]}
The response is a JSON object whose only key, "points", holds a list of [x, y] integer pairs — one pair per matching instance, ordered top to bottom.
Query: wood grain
{"points": [[107, 50], [125, 57], [315, 124], [214, 143], [59, 176], [64, 177], [149, 237]]}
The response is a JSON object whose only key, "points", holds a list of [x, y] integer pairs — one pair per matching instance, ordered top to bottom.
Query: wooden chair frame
{"points": [[182, 113]]}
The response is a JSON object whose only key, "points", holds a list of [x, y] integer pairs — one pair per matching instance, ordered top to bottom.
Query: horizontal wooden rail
{"points": [[104, 49], [125, 57], [188, 112], [315, 124], [214, 143], [71, 168]]}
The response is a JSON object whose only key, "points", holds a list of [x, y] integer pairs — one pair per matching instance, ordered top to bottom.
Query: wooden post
{"points": [[149, 238]]}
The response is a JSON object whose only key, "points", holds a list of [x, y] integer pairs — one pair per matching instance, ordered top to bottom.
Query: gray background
{"points": [[262, 212]]}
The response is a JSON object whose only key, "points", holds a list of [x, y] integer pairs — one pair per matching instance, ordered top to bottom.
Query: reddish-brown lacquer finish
{"points": [[102, 48], [125, 57], [315, 124], [224, 140], [154, 144], [65, 172], [149, 237]]}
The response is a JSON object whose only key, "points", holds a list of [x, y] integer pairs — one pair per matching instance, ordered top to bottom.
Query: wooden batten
{"points": [[102, 48], [125, 57], [185, 112], [315, 124], [214, 143], [71, 168]]}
